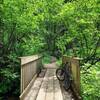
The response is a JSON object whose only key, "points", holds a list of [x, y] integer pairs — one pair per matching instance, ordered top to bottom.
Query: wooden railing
{"points": [[29, 69], [75, 69]]}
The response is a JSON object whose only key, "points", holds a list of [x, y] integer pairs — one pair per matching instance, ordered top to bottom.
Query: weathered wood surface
{"points": [[28, 59], [29, 66], [75, 69], [47, 88], [34, 90], [57, 90], [42, 91], [25, 92]]}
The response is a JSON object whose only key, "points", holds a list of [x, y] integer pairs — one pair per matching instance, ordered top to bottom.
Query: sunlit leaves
{"points": [[33, 26], [90, 84]]}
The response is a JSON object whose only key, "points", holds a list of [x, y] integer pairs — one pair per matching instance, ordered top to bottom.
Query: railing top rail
{"points": [[71, 57], [28, 59]]}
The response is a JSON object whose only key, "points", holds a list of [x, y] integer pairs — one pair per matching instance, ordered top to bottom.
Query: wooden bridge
{"points": [[45, 87]]}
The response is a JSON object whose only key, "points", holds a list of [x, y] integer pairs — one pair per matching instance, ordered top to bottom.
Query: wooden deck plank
{"points": [[50, 87], [47, 88], [34, 90], [57, 90], [42, 91]]}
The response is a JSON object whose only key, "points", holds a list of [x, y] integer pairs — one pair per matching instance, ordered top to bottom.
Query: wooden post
{"points": [[75, 65], [75, 70]]}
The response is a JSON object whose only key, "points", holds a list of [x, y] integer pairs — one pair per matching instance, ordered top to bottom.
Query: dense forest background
{"points": [[50, 27]]}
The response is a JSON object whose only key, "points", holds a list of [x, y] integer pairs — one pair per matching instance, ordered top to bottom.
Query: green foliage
{"points": [[80, 19], [55, 27], [33, 45], [46, 58], [59, 62], [9, 75], [8, 78], [90, 82]]}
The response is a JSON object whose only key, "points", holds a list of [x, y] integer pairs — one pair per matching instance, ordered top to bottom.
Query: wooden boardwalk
{"points": [[47, 88]]}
